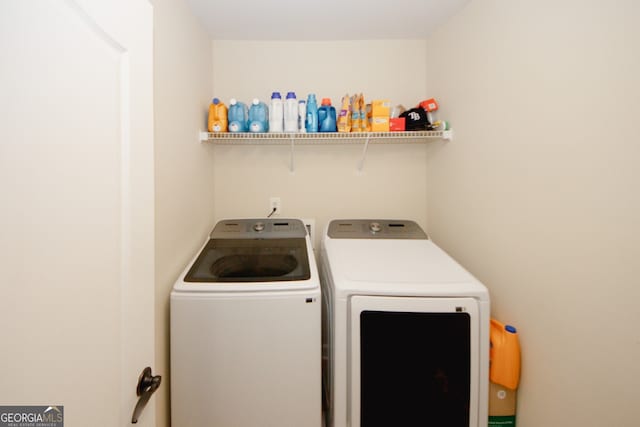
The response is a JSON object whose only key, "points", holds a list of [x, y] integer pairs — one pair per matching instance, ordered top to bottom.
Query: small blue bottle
{"points": [[302, 116], [311, 122]]}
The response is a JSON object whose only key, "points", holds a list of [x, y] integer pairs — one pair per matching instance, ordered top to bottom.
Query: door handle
{"points": [[147, 384]]}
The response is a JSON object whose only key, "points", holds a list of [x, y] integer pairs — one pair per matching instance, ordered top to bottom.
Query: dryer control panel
{"points": [[375, 229]]}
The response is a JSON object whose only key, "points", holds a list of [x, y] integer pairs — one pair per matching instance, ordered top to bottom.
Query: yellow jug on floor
{"points": [[504, 374]]}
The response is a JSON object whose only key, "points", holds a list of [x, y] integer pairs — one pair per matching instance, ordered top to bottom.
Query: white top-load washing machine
{"points": [[245, 329], [406, 329]]}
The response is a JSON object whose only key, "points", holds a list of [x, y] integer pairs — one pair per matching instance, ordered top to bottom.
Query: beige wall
{"points": [[326, 182], [184, 191], [538, 193]]}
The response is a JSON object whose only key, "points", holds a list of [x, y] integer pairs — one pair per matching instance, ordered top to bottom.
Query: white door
{"points": [[76, 209]]}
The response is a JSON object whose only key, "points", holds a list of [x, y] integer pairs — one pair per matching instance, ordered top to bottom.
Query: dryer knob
{"points": [[258, 226], [375, 227]]}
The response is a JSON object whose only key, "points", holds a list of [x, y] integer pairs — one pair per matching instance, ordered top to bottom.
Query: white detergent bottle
{"points": [[276, 113], [291, 113]]}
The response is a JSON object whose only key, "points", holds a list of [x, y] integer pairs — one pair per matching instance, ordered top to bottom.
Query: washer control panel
{"points": [[259, 228], [375, 229]]}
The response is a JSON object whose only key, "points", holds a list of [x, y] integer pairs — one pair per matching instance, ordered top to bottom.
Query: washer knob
{"points": [[258, 226], [375, 227]]}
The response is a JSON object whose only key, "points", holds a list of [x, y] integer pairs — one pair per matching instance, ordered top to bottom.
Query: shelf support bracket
{"points": [[364, 154], [291, 163]]}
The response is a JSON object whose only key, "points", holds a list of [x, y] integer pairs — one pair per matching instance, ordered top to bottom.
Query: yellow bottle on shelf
{"points": [[217, 116]]}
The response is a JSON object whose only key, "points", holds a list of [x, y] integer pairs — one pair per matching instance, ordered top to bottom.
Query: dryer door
{"points": [[414, 361]]}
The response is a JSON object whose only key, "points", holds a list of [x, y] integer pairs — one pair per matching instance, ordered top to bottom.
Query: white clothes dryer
{"points": [[245, 329], [406, 329]]}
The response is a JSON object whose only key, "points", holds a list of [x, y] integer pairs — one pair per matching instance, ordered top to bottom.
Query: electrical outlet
{"points": [[274, 203]]}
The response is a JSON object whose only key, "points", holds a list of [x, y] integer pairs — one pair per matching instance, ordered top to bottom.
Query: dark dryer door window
{"points": [[251, 260], [415, 368]]}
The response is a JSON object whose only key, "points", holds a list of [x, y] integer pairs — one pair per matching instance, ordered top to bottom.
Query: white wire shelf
{"points": [[321, 138]]}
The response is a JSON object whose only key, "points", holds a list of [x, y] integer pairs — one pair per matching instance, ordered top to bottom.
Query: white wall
{"points": [[184, 167], [326, 182], [538, 193]]}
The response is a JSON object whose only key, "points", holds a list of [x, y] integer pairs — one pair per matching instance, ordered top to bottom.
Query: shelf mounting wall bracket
{"points": [[364, 154], [291, 163]]}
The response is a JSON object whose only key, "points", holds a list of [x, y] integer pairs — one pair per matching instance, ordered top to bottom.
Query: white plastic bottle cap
{"points": [[233, 101], [256, 101]]}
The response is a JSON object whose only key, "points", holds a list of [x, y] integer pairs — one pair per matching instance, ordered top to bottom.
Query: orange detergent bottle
{"points": [[217, 116], [504, 374]]}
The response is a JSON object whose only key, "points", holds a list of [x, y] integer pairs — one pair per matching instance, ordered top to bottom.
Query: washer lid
{"points": [[251, 260]]}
